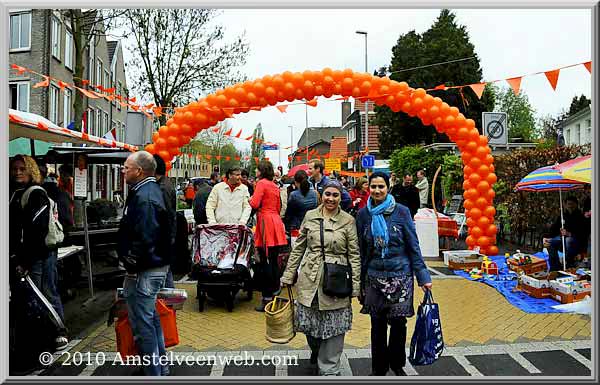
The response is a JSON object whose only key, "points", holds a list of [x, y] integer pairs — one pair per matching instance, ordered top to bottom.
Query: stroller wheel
{"points": [[229, 301]]}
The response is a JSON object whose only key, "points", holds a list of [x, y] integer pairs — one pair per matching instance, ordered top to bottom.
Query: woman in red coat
{"points": [[360, 194], [270, 231]]}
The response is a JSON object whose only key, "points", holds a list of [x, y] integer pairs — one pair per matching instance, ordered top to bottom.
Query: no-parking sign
{"points": [[495, 127]]}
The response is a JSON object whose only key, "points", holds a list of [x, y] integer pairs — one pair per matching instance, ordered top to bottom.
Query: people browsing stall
{"points": [[423, 186], [203, 190], [407, 194], [302, 199], [228, 200], [270, 231], [327, 237], [144, 249], [29, 253], [390, 257]]}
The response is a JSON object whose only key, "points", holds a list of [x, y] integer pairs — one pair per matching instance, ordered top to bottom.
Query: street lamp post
{"points": [[306, 115], [366, 144]]}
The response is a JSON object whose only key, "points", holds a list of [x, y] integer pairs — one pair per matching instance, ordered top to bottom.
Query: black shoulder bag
{"points": [[337, 278]]}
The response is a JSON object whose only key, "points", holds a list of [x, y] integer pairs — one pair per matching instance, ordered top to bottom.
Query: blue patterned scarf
{"points": [[379, 228]]}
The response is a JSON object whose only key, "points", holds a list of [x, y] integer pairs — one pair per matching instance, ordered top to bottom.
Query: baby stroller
{"points": [[221, 262]]}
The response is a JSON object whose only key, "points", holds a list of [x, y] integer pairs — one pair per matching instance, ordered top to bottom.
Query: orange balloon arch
{"points": [[479, 176]]}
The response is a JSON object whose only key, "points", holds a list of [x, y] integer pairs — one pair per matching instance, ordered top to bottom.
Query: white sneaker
{"points": [[61, 343]]}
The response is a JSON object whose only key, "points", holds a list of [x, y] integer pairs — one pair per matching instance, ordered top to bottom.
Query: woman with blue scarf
{"points": [[390, 257]]}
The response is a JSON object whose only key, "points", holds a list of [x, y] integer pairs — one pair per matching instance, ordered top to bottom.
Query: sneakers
{"points": [[61, 343]]}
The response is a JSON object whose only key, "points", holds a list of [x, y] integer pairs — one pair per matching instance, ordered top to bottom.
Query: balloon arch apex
{"points": [[478, 163]]}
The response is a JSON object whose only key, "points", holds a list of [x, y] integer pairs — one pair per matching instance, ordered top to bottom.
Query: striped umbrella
{"points": [[579, 169], [549, 179]]}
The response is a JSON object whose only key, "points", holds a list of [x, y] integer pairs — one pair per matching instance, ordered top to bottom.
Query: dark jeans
{"points": [[571, 248], [269, 270], [44, 275], [169, 282], [140, 294], [386, 354]]}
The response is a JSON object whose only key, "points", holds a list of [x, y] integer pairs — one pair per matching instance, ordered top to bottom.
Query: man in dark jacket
{"points": [[318, 180], [203, 190], [169, 194], [407, 194], [144, 248]]}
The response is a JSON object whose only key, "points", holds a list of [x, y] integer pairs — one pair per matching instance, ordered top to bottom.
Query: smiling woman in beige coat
{"points": [[324, 319]]}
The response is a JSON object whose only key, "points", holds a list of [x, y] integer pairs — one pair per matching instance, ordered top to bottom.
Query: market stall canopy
{"points": [[32, 126], [95, 155], [579, 169], [546, 179]]}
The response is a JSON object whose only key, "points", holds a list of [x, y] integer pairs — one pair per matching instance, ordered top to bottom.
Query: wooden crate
{"points": [[465, 265], [536, 265], [535, 292], [569, 298]]}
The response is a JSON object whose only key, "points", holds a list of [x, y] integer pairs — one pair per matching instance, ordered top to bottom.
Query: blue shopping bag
{"points": [[427, 341]]}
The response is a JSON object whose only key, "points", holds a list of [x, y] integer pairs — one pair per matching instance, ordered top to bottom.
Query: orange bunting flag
{"points": [[588, 65], [20, 70], [552, 77], [85, 82], [44, 83], [515, 84], [62, 85], [99, 86], [440, 87], [478, 89], [110, 90], [88, 93], [344, 98], [132, 100], [312, 103], [148, 106], [135, 107], [282, 107], [255, 108], [157, 110], [42, 126], [216, 129], [228, 132], [238, 134], [249, 138], [258, 140], [189, 155], [208, 156], [218, 157], [227, 158], [238, 158], [246, 158], [256, 158], [267, 159]]}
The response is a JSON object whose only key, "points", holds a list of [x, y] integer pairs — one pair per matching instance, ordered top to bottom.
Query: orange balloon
{"points": [[327, 71], [348, 72], [337, 75], [298, 79], [278, 82], [347, 84], [365, 87], [258, 88], [289, 88], [337, 89], [319, 90], [356, 92], [420, 92], [298, 95], [221, 101], [417, 103], [454, 111], [200, 119], [450, 121], [438, 122], [185, 129], [165, 131], [462, 132], [155, 135], [173, 141], [161, 143], [471, 146], [151, 148], [481, 151], [165, 155], [466, 157], [489, 159], [475, 162], [483, 170], [475, 178], [491, 178], [467, 184], [483, 187], [471, 193], [491, 194], [481, 203], [468, 204], [489, 212], [475, 213], [471, 222], [483, 222], [491, 230], [476, 232], [470, 241], [483, 241], [493, 250]]}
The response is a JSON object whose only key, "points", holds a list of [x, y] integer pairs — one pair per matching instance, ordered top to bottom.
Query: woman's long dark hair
{"points": [[266, 169], [302, 178]]}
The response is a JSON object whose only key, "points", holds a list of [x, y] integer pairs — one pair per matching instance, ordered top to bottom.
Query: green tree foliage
{"points": [[444, 41], [578, 104], [521, 121], [256, 149], [410, 159], [452, 175], [522, 208]]}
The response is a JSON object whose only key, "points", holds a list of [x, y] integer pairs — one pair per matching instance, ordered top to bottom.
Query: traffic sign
{"points": [[495, 127], [368, 161]]}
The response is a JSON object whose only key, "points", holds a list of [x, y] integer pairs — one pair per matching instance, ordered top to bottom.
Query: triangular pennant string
{"points": [[588, 65], [552, 77], [515, 84], [478, 89]]}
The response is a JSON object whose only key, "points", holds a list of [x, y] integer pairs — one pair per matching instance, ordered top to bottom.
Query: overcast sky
{"points": [[508, 42]]}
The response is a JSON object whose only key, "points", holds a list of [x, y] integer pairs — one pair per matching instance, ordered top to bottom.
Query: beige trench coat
{"points": [[341, 246]]}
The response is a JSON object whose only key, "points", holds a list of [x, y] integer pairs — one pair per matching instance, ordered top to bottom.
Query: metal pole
{"points": [[306, 112], [562, 222], [88, 253]]}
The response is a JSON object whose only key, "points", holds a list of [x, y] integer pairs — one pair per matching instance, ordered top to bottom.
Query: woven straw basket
{"points": [[279, 315]]}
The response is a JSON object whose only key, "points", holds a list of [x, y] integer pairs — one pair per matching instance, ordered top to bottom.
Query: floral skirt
{"points": [[390, 296], [321, 324]]}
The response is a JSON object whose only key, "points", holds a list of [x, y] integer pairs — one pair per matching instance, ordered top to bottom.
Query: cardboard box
{"points": [[463, 259], [536, 265], [536, 285]]}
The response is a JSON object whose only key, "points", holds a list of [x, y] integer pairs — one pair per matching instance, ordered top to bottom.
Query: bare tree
{"points": [[181, 54]]}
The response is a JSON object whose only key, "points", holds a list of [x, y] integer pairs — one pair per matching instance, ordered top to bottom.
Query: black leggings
{"points": [[269, 275], [387, 355]]}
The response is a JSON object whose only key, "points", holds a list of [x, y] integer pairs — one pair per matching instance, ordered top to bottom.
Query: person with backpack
{"points": [[34, 235]]}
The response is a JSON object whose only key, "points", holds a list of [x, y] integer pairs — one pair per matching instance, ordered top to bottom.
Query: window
{"points": [[20, 31], [55, 42], [69, 50], [91, 62], [98, 72], [106, 83], [119, 89], [19, 96], [67, 108], [53, 111], [90, 121], [588, 124], [113, 125], [105, 127], [97, 128], [351, 133], [575, 134], [122, 137], [568, 137]]}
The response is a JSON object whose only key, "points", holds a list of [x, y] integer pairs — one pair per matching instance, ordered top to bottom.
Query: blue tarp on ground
{"points": [[506, 288]]}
